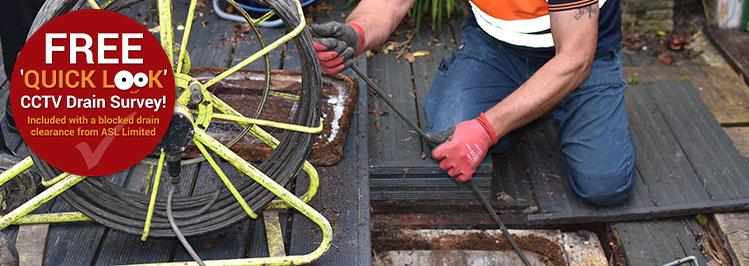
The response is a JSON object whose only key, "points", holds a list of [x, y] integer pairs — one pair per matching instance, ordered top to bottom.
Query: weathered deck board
{"points": [[211, 41], [247, 44], [440, 44], [734, 45], [638, 59], [722, 90], [740, 138], [391, 140], [706, 146], [659, 155], [686, 163], [545, 164], [511, 187], [343, 193], [343, 198], [735, 228], [85, 236], [246, 238], [659, 242], [228, 243], [121, 248]]}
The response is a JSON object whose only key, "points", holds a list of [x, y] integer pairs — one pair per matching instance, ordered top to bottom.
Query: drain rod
{"points": [[435, 140]]}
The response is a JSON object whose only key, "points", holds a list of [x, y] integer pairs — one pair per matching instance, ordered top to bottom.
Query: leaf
{"points": [[242, 27], [390, 46], [421, 53], [409, 57], [666, 59], [633, 80], [702, 219]]}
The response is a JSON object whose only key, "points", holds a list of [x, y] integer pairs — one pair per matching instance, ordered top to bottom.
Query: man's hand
{"points": [[337, 45], [462, 154]]}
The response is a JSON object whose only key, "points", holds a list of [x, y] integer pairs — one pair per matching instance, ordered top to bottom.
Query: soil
{"points": [[243, 91]]}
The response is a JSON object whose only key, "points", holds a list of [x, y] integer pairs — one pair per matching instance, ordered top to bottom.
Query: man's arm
{"points": [[379, 18], [575, 34]]}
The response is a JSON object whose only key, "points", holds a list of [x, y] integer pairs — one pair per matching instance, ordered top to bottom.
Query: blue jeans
{"points": [[592, 123]]}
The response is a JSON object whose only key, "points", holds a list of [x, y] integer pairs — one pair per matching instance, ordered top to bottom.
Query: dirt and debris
{"points": [[200, 4], [242, 27], [670, 48], [666, 58], [378, 114], [502, 196], [710, 242], [548, 247], [612, 247]]}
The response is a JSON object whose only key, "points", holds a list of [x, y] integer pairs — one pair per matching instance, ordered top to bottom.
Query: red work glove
{"points": [[337, 45], [462, 154]]}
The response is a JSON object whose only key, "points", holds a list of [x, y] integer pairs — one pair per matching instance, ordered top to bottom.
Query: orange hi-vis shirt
{"points": [[526, 22]]}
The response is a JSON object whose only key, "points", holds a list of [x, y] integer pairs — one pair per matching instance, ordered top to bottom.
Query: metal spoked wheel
{"points": [[126, 210]]}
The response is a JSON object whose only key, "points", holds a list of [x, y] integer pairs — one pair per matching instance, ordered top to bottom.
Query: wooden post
{"points": [[728, 13]]}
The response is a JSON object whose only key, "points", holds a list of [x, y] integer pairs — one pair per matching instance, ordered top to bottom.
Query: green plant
{"points": [[435, 8]]}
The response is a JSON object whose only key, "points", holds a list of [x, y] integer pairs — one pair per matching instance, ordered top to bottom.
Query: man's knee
{"points": [[603, 188]]}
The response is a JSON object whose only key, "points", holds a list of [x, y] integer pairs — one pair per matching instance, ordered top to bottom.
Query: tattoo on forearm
{"points": [[590, 10]]}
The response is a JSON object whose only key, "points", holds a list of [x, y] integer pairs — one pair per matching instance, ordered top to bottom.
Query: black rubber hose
{"points": [[125, 210]]}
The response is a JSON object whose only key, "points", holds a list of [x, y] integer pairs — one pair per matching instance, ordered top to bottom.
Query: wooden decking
{"points": [[733, 44], [680, 116], [686, 164], [342, 197]]}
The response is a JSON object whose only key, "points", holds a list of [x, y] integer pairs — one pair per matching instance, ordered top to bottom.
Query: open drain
{"points": [[485, 247]]}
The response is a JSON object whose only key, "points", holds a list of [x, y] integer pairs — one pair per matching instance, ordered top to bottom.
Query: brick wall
{"points": [[655, 15]]}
